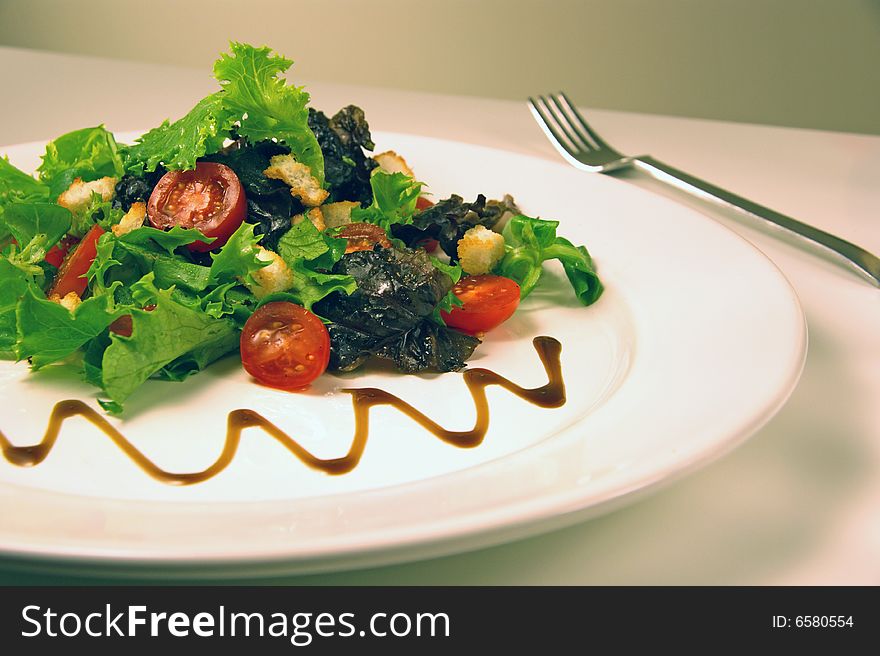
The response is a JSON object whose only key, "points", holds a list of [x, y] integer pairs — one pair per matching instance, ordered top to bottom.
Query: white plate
{"points": [[697, 341]]}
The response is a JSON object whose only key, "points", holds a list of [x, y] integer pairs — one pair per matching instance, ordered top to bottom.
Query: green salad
{"points": [[260, 226]]}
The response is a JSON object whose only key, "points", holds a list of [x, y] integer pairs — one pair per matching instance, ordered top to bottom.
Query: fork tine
{"points": [[574, 112], [570, 120], [548, 124], [565, 124]]}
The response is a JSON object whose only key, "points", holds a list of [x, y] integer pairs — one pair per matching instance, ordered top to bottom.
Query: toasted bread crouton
{"points": [[391, 162], [299, 178], [79, 194], [338, 214], [315, 215], [132, 220], [480, 250], [276, 277], [70, 301]]}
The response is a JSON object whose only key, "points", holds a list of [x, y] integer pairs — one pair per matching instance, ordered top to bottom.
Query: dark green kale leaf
{"points": [[343, 139], [449, 219], [390, 313]]}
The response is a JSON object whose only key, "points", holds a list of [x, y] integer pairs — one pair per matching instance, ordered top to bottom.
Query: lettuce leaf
{"points": [[267, 107], [178, 145], [89, 153], [17, 186], [394, 200], [27, 221], [36, 227], [167, 240], [305, 242], [529, 242], [310, 254], [238, 257], [13, 284], [450, 301], [48, 332], [173, 335]]}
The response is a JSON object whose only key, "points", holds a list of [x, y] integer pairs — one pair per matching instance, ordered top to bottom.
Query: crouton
{"points": [[391, 162], [299, 178], [79, 194], [338, 214], [314, 215], [132, 220], [480, 250], [276, 277], [70, 301]]}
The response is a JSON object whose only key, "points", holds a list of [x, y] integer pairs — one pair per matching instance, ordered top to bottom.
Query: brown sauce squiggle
{"points": [[551, 395]]}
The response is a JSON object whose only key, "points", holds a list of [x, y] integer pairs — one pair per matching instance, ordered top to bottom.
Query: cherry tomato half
{"points": [[209, 197], [71, 273], [488, 301], [284, 345]]}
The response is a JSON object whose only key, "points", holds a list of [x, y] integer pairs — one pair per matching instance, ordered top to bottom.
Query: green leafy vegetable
{"points": [[253, 86], [178, 145], [90, 153], [17, 186], [394, 200], [97, 210], [28, 221], [36, 227], [167, 240], [305, 242], [529, 242], [310, 254], [131, 256], [238, 257], [14, 285], [450, 301], [48, 332], [172, 334]]}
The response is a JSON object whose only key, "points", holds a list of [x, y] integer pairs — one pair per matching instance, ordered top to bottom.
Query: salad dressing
{"points": [[551, 395]]}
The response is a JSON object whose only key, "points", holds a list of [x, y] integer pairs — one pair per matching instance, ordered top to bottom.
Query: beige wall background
{"points": [[800, 63]]}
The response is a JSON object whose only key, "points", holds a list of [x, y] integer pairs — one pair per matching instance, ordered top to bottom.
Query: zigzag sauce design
{"points": [[551, 395]]}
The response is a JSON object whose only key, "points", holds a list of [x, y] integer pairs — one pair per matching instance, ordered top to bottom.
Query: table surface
{"points": [[799, 503]]}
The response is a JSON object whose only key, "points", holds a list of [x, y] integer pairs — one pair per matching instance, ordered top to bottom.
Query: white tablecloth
{"points": [[799, 503]]}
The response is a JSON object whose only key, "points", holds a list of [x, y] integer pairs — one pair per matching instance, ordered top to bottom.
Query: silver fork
{"points": [[578, 143]]}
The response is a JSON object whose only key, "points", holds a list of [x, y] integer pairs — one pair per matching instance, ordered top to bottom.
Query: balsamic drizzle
{"points": [[551, 395]]}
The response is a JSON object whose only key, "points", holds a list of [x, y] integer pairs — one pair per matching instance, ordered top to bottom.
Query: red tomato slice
{"points": [[209, 198], [423, 203], [56, 254], [71, 273], [488, 301], [284, 345]]}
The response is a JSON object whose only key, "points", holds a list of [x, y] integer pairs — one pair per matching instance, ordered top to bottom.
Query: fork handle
{"points": [[867, 264]]}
